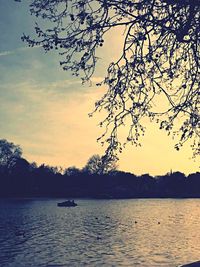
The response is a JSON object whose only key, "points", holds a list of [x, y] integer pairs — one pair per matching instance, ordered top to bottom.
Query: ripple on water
{"points": [[149, 232]]}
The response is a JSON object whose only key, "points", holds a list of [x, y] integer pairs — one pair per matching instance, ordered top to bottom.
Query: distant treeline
{"points": [[98, 179]]}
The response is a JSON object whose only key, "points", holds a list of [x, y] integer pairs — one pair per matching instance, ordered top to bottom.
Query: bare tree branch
{"points": [[159, 61]]}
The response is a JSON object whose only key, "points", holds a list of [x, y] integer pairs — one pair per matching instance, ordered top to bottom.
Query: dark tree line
{"points": [[19, 178]]}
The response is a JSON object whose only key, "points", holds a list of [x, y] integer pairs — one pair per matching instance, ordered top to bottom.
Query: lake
{"points": [[136, 232]]}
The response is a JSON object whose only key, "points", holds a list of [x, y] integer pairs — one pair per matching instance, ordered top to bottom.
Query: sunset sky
{"points": [[45, 110]]}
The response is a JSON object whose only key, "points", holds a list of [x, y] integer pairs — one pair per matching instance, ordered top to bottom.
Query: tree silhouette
{"points": [[157, 73], [9, 153], [100, 165], [72, 171], [99, 179]]}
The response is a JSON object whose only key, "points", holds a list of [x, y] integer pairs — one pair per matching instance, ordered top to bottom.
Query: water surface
{"points": [[145, 232]]}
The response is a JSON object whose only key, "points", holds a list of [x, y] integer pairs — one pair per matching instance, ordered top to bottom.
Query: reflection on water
{"points": [[150, 232]]}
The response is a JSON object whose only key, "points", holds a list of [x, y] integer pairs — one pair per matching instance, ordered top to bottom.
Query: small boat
{"points": [[68, 203]]}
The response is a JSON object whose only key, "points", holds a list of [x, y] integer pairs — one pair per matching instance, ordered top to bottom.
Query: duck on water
{"points": [[68, 203]]}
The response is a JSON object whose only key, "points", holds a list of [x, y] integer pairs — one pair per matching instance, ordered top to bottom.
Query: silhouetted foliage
{"points": [[157, 73], [9, 153], [100, 165], [71, 171], [26, 179], [172, 185]]}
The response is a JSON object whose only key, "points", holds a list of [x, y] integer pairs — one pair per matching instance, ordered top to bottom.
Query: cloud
{"points": [[20, 49], [6, 53], [50, 120], [54, 128]]}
